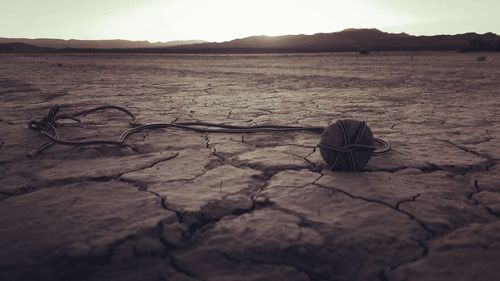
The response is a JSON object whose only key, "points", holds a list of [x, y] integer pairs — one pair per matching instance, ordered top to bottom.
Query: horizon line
{"points": [[257, 35]]}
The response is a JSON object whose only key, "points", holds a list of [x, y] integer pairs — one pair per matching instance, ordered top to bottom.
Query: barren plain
{"points": [[177, 205]]}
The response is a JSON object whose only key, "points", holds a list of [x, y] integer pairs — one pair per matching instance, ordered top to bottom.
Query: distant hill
{"points": [[349, 40], [96, 44], [22, 48]]}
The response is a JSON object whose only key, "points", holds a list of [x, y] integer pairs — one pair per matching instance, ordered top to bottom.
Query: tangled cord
{"points": [[47, 126]]}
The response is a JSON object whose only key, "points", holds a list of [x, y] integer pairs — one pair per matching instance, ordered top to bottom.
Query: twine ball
{"points": [[336, 135]]}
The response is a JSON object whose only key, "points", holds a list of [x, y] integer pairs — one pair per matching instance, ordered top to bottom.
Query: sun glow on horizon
{"points": [[223, 20]]}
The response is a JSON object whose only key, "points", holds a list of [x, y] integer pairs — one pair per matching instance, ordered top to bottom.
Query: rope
{"points": [[47, 127], [349, 147]]}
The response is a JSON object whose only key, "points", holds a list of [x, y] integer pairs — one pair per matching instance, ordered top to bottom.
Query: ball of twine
{"points": [[347, 145]]}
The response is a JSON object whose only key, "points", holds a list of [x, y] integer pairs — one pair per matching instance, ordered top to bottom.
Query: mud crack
{"points": [[214, 150], [431, 232]]}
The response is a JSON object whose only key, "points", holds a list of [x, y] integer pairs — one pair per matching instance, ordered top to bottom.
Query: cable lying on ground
{"points": [[340, 149]]}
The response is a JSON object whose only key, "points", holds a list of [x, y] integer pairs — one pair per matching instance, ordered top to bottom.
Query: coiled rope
{"points": [[47, 126]]}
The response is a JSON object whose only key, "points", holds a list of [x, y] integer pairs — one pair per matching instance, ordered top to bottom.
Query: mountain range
{"points": [[358, 40], [95, 44]]}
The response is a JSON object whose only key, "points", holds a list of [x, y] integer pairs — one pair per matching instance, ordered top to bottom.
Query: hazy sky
{"points": [[220, 20]]}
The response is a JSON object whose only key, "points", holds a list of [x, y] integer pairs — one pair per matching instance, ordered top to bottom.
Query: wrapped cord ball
{"points": [[347, 145]]}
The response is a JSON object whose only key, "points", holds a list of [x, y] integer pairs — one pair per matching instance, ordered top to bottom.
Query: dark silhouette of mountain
{"points": [[351, 40], [363, 41], [96, 44], [22, 48]]}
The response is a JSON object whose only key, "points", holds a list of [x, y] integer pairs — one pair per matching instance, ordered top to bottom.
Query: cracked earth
{"points": [[176, 205]]}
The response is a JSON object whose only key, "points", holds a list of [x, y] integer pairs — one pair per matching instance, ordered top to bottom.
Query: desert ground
{"points": [[177, 205]]}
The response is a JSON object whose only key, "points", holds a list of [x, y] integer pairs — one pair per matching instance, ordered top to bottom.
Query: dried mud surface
{"points": [[176, 205]]}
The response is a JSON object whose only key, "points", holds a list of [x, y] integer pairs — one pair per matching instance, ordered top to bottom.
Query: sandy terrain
{"points": [[177, 205]]}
